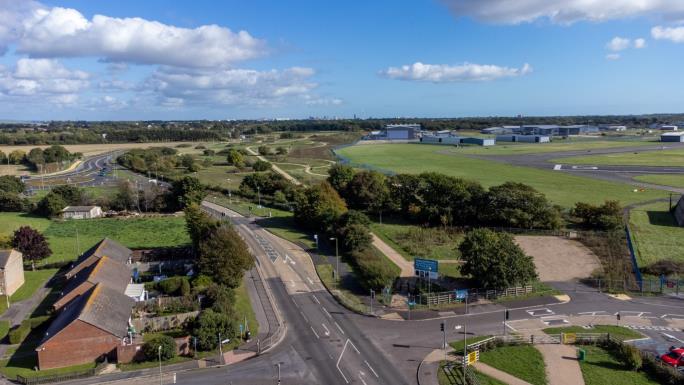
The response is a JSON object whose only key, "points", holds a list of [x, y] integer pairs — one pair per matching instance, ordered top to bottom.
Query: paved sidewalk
{"points": [[405, 266], [562, 367], [498, 374]]}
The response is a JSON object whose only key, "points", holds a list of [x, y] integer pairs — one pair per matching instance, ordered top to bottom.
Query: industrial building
{"points": [[612, 127], [499, 130], [543, 130], [402, 131], [672, 137], [523, 138], [456, 140]]}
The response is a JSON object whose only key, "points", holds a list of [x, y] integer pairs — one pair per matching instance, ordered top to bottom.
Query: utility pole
{"points": [[372, 295], [444, 344], [220, 349], [465, 350]]}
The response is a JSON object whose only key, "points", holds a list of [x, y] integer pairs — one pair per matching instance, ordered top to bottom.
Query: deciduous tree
{"points": [[31, 243]]}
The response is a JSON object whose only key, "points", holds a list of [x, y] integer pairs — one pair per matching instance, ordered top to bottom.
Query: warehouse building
{"points": [[402, 131], [672, 137], [523, 138], [457, 140]]}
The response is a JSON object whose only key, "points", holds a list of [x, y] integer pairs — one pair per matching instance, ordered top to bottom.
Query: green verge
{"points": [[647, 158], [674, 180], [561, 188], [655, 234], [32, 281], [344, 296], [4, 329], [615, 331], [458, 345], [522, 361], [601, 368], [482, 378]]}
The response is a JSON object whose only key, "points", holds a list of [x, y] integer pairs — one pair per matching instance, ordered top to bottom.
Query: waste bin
{"points": [[581, 354]]}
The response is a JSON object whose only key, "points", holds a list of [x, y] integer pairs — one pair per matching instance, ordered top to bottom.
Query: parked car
{"points": [[674, 357]]}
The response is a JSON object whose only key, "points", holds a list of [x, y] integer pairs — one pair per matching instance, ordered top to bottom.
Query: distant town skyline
{"points": [[132, 60]]}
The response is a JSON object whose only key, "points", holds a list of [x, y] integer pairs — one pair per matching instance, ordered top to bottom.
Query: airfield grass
{"points": [[503, 148], [672, 157], [673, 180], [562, 189], [655, 234]]}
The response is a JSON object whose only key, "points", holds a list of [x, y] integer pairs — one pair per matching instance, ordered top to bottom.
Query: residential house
{"points": [[81, 212], [106, 246], [11, 271]]}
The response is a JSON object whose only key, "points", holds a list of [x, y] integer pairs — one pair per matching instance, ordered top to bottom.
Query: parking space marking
{"points": [[540, 312]]}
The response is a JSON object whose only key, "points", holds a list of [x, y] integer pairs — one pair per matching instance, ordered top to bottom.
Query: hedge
{"points": [[19, 333]]}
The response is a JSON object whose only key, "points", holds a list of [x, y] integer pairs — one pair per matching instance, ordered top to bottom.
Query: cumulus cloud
{"points": [[564, 11], [40, 31], [674, 34], [639, 43], [618, 44], [613, 56], [442, 73], [43, 77], [231, 86]]}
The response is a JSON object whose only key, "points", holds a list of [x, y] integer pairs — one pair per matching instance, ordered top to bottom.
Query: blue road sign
{"points": [[427, 265], [461, 293]]}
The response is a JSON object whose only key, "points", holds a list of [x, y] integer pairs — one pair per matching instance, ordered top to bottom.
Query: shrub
{"points": [[374, 272], [174, 286], [35, 322], [151, 348], [631, 356]]}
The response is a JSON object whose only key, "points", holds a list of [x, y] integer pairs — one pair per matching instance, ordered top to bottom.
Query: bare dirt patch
{"points": [[95, 149], [559, 259]]}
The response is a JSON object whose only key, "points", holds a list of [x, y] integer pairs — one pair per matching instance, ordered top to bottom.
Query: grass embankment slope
{"points": [[667, 157], [673, 180], [560, 188], [655, 234], [522, 361], [601, 368]]}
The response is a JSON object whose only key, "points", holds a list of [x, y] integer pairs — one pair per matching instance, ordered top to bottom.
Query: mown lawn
{"points": [[503, 148], [673, 157], [674, 180], [561, 188], [9, 222], [655, 234], [32, 281], [615, 331], [522, 361], [601, 368]]}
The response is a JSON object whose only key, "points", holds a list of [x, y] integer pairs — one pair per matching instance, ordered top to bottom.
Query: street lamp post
{"points": [[259, 195], [337, 255], [465, 347], [220, 349], [278, 373], [161, 380]]}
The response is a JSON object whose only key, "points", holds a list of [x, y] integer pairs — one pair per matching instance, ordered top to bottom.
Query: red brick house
{"points": [[87, 329]]}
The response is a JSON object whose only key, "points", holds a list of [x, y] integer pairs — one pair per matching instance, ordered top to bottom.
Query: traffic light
{"points": [[508, 315], [618, 316], [441, 327]]}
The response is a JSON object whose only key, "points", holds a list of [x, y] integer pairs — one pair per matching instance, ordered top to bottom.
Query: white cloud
{"points": [[564, 11], [64, 32], [674, 34], [639, 43], [618, 44], [613, 56], [441, 73], [43, 77], [175, 87]]}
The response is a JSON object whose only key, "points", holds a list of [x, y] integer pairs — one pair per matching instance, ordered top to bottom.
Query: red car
{"points": [[675, 357]]}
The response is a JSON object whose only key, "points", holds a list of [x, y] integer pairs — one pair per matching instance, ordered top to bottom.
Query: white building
{"points": [[81, 212]]}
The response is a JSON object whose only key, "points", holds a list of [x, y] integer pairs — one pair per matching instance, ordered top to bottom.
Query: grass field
{"points": [[557, 145], [673, 157], [674, 180], [560, 188], [135, 232], [655, 234], [414, 241], [615, 331], [522, 361], [601, 368]]}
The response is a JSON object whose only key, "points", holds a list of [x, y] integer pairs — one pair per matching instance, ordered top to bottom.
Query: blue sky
{"points": [[426, 58]]}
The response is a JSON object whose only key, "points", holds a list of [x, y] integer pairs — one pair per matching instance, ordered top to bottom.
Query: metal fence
{"points": [[61, 377]]}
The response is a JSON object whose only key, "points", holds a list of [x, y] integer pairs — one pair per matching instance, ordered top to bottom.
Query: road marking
{"points": [[558, 167], [287, 258], [310, 281], [316, 299], [295, 302], [326, 312], [540, 312], [593, 312], [630, 313], [673, 316], [305, 319], [507, 324], [656, 328], [342, 331], [314, 332], [327, 332], [672, 338], [340, 359], [372, 370], [361, 378]]}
